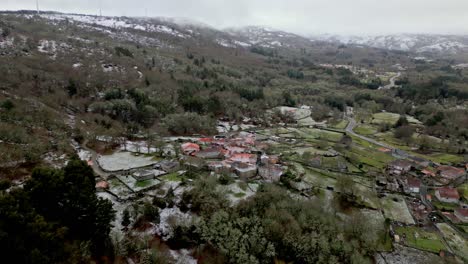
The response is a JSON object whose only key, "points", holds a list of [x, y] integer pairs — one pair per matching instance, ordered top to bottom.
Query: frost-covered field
{"points": [[124, 161], [396, 209]]}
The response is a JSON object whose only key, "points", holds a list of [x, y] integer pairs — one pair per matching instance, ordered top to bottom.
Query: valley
{"points": [[183, 143]]}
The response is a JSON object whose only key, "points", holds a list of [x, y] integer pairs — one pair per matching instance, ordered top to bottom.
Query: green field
{"points": [[390, 118], [341, 125], [365, 130], [446, 158], [173, 177], [144, 184], [463, 189], [445, 206], [395, 208], [421, 239], [458, 244]]}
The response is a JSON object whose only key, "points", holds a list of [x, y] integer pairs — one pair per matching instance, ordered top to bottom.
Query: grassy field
{"points": [[390, 118], [341, 125], [365, 130], [313, 133], [371, 157], [446, 158], [173, 177], [144, 184], [463, 189], [445, 206], [395, 208], [418, 238], [455, 241]]}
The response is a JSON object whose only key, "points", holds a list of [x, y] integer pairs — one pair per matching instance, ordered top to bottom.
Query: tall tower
{"points": [[37, 6], [100, 8]]}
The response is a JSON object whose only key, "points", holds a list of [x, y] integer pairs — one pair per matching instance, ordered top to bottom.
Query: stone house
{"points": [[210, 153], [399, 167], [245, 170], [271, 172], [450, 173], [414, 185], [447, 195], [462, 214]]}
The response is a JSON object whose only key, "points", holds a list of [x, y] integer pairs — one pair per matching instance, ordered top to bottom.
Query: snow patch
{"points": [[122, 161]]}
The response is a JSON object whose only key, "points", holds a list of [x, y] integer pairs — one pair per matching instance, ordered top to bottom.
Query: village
{"points": [[425, 201]]}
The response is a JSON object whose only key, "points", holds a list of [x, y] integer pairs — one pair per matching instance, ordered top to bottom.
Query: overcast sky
{"points": [[300, 16]]}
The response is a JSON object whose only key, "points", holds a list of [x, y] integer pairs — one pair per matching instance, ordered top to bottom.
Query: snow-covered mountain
{"points": [[183, 29], [158, 30], [267, 37], [404, 42]]}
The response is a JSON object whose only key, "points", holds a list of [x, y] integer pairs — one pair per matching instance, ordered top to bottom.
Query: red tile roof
{"points": [[206, 140], [190, 146], [384, 150], [243, 157], [428, 172], [450, 172], [414, 183], [102, 185], [448, 193], [462, 211]]}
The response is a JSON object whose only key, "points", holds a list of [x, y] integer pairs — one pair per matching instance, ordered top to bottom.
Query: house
{"points": [[205, 141], [219, 142], [261, 146], [190, 148], [235, 149], [384, 150], [210, 153], [244, 158], [269, 159], [316, 161], [193, 162], [420, 162], [168, 166], [219, 166], [399, 167], [245, 170], [271, 172], [427, 172], [450, 173], [143, 175], [102, 185], [413, 185], [447, 195], [462, 214]]}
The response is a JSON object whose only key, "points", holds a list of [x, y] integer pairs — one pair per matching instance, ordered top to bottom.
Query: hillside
{"points": [[172, 141]]}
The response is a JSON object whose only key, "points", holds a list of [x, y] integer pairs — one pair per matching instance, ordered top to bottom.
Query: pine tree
{"points": [[126, 218]]}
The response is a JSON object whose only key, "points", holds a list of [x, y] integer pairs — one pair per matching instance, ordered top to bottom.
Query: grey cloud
{"points": [[300, 16]]}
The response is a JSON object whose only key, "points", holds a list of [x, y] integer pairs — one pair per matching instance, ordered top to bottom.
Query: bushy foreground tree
{"points": [[55, 218], [273, 226]]}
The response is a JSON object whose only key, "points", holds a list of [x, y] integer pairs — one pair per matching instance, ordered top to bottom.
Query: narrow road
{"points": [[392, 82], [350, 129], [94, 164]]}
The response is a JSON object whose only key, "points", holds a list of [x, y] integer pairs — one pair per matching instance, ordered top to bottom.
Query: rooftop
{"points": [[401, 163], [450, 172], [414, 183], [449, 193], [462, 211]]}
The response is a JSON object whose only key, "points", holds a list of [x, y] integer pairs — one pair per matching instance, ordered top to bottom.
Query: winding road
{"points": [[392, 82], [350, 129]]}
